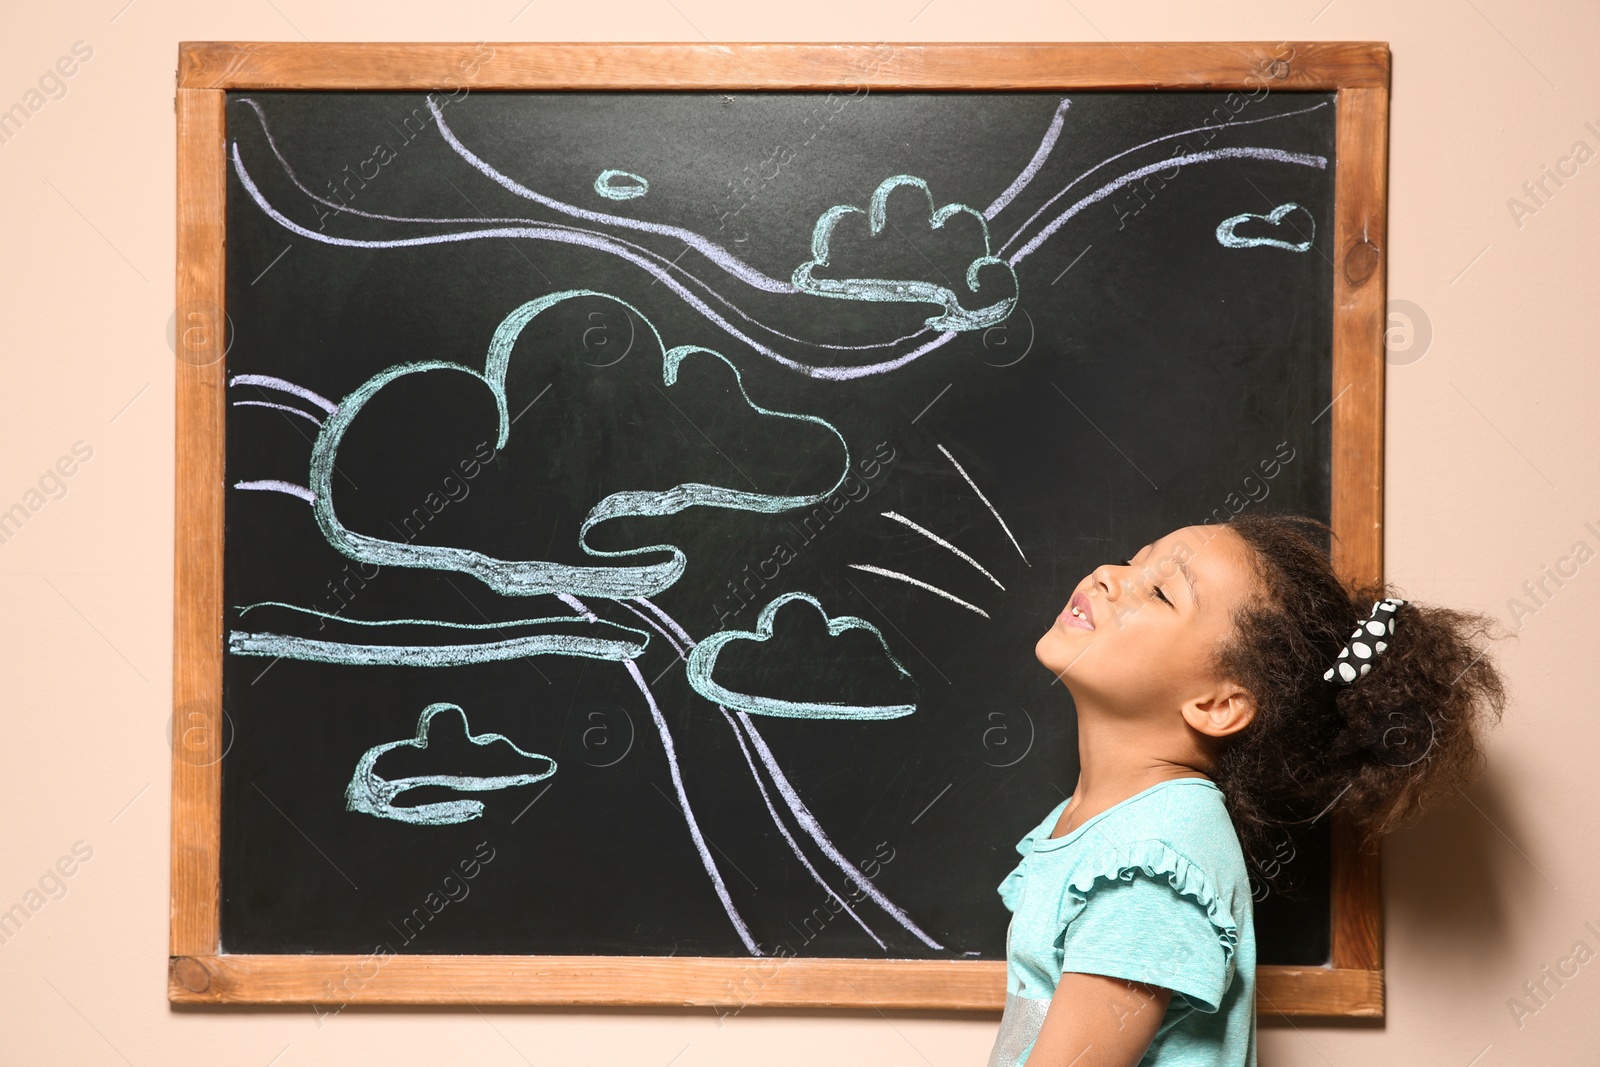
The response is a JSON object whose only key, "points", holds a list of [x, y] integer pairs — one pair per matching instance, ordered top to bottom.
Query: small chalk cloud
{"points": [[620, 185], [1284, 220], [910, 283], [826, 661], [371, 794]]}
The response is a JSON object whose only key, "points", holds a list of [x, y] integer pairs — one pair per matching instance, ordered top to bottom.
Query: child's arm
{"points": [[1096, 1021]]}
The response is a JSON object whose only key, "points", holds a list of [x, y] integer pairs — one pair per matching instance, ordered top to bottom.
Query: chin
{"points": [[1062, 648], [1051, 652]]}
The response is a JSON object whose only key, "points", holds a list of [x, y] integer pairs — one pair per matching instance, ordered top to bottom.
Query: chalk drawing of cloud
{"points": [[620, 185], [1229, 237], [956, 315], [513, 577], [703, 662], [372, 794]]}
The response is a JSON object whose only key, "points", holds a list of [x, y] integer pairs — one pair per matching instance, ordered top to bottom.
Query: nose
{"points": [[1108, 577]]}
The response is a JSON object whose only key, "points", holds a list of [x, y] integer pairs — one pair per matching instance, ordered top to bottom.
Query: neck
{"points": [[1118, 757]]}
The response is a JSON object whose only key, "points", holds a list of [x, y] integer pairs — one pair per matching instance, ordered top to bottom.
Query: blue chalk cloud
{"points": [[1258, 226], [909, 289], [613, 578], [703, 662], [372, 794]]}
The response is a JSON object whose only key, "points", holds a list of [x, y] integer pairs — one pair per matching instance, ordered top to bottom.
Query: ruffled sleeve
{"points": [[1010, 888], [1144, 912]]}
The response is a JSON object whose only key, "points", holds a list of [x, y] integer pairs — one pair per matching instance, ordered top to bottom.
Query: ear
{"points": [[1224, 711]]}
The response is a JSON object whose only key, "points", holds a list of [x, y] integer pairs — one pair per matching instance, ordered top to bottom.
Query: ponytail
{"points": [[1413, 722], [1377, 750]]}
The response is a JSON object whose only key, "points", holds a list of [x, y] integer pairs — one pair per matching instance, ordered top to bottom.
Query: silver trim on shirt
{"points": [[1019, 1028]]}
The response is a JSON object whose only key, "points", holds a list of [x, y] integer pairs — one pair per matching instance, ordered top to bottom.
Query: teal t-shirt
{"points": [[1153, 889]]}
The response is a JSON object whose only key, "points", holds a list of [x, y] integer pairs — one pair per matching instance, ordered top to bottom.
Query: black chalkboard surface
{"points": [[694, 472]]}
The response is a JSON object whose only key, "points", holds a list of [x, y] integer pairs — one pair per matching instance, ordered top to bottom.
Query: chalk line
{"points": [[1146, 144], [1040, 154], [1274, 155], [602, 242], [710, 249], [267, 381], [280, 407], [273, 485], [986, 503], [897, 517], [919, 583], [755, 774], [687, 811], [688, 815], [803, 815], [812, 827], [794, 846]]}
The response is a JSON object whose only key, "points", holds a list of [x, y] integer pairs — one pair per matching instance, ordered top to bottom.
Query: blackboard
{"points": [[639, 507]]}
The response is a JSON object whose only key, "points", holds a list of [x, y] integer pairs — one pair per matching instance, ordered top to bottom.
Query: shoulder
{"points": [[1177, 795], [1189, 816], [1179, 837]]}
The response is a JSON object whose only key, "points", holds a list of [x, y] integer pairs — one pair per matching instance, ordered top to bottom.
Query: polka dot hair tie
{"points": [[1368, 639]]}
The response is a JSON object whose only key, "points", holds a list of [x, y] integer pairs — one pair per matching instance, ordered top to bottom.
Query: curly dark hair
{"points": [[1378, 750]]}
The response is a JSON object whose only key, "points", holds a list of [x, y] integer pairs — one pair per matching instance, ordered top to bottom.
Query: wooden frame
{"points": [[1359, 72]]}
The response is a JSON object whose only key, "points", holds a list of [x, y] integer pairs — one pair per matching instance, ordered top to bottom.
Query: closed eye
{"points": [[1155, 589]]}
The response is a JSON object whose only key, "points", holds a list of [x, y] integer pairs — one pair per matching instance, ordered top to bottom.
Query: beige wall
{"points": [[1491, 474]]}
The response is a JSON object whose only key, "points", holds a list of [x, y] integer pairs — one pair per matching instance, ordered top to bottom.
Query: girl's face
{"points": [[1144, 631]]}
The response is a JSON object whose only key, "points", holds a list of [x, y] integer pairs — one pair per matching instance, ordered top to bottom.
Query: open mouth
{"points": [[1078, 613]]}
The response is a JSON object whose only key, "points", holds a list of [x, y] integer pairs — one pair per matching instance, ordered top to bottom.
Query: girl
{"points": [[1228, 687]]}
